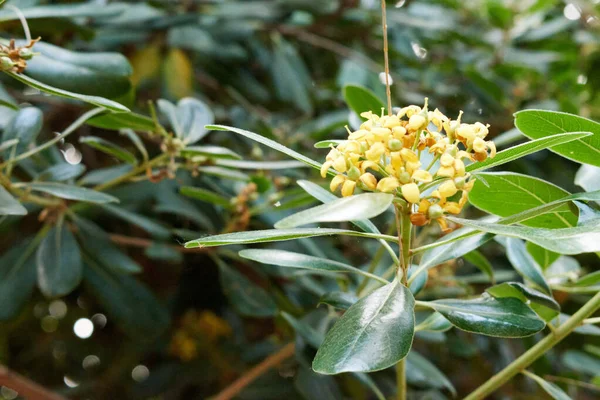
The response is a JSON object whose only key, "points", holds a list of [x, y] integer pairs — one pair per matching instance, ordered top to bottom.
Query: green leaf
{"points": [[88, 9], [96, 74], [290, 76], [361, 99], [95, 100], [189, 119], [129, 120], [540, 123], [25, 126], [268, 142], [325, 144], [109, 148], [524, 149], [210, 152], [270, 165], [61, 172], [225, 173], [72, 192], [510, 193], [206, 196], [325, 196], [9, 205], [357, 207], [149, 225], [276, 235], [581, 239], [97, 244], [451, 251], [541, 255], [289, 259], [481, 262], [524, 263], [59, 264], [17, 278], [589, 279], [246, 297], [339, 300], [541, 303], [130, 304], [503, 317], [434, 323], [373, 334], [312, 337], [581, 362], [420, 372], [553, 390]]}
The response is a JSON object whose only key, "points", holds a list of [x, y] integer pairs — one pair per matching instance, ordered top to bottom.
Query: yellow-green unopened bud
{"points": [[26, 53], [6, 63], [395, 144], [353, 173], [404, 177], [435, 211]]}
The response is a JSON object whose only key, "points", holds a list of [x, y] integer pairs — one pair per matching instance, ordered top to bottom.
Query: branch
{"points": [[273, 360], [25, 387]]}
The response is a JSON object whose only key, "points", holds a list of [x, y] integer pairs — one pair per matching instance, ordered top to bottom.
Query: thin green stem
{"points": [[70, 129], [138, 170], [372, 266], [590, 321], [527, 358], [401, 379]]}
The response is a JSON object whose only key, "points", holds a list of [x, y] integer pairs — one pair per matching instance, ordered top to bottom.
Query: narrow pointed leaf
{"points": [[361, 99], [95, 100], [117, 121], [541, 123], [25, 126], [268, 142], [325, 144], [109, 148], [521, 150], [210, 152], [267, 165], [62, 172], [72, 192], [510, 193], [205, 195], [9, 205], [361, 206], [149, 225], [276, 235], [581, 239], [542, 256], [481, 262], [59, 263], [524, 263], [17, 278], [339, 300], [544, 305], [503, 317], [434, 323], [374, 334], [421, 372], [553, 390]]}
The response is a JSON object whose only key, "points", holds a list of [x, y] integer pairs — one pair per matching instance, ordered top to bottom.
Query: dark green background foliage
{"points": [[107, 248]]}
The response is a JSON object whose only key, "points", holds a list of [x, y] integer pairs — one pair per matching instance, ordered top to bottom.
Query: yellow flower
{"points": [[375, 152], [422, 176], [369, 180], [336, 182], [388, 184], [348, 188], [411, 192]]}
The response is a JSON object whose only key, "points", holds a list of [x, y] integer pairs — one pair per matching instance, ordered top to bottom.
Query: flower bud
{"points": [[25, 53], [6, 63], [416, 122], [398, 132], [395, 145], [447, 160], [325, 167], [353, 173], [404, 177], [369, 180], [336, 182], [460, 182], [388, 184], [348, 188], [448, 189], [411, 192], [435, 211], [418, 219]]}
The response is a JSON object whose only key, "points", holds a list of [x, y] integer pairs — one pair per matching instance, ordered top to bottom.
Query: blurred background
{"points": [[189, 323]]}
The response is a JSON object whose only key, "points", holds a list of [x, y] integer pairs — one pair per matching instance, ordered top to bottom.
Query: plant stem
{"points": [[388, 91], [138, 170], [404, 227], [536, 351]]}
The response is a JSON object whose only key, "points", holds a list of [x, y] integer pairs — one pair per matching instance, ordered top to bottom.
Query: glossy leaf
{"points": [[88, 9], [96, 74], [361, 99], [95, 100], [188, 119], [129, 120], [541, 123], [25, 126], [268, 142], [325, 144], [109, 148], [524, 149], [210, 152], [267, 165], [62, 172], [225, 173], [72, 192], [510, 193], [206, 196], [9, 205], [357, 207], [149, 225], [276, 235], [581, 239], [97, 243], [541, 255], [290, 259], [59, 263], [524, 263], [17, 278], [591, 279], [245, 296], [339, 300], [541, 303], [130, 304], [503, 317], [434, 323], [373, 334], [421, 372], [553, 390]]}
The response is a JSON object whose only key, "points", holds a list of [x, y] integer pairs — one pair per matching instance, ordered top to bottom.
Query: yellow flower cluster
{"points": [[384, 155]]}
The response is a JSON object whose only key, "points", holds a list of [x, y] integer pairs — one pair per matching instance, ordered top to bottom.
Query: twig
{"points": [[388, 91], [144, 243], [273, 360], [26, 388]]}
